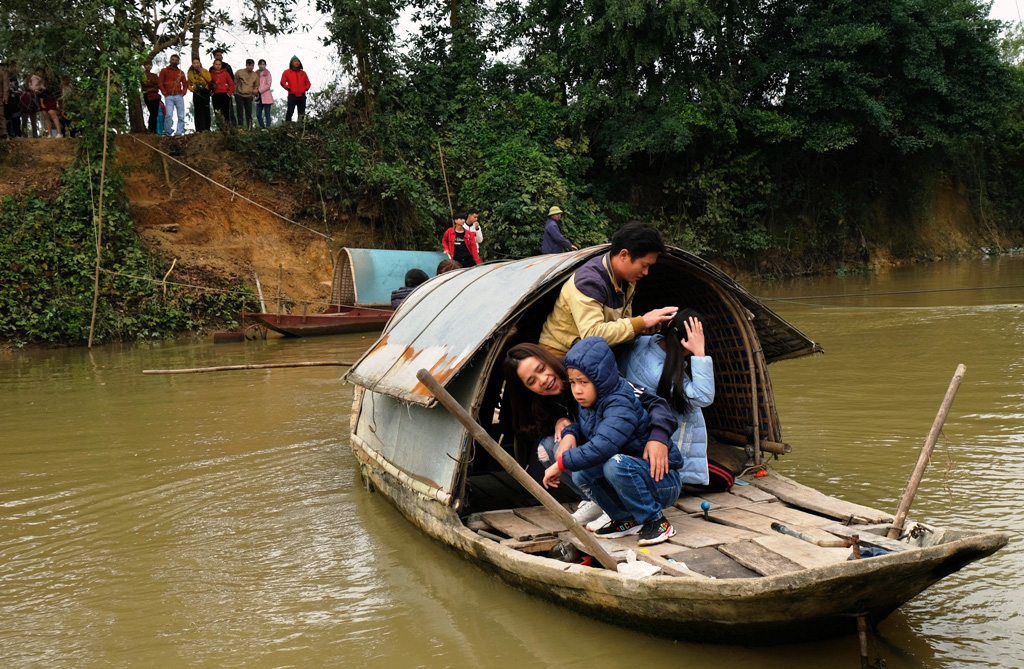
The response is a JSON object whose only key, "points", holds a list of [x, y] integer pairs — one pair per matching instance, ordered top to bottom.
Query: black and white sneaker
{"points": [[618, 528], [655, 532]]}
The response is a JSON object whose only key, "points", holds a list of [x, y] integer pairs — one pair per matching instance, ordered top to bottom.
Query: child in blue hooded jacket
{"points": [[605, 449]]}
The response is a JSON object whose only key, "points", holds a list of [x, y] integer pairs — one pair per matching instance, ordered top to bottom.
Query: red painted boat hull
{"points": [[349, 319]]}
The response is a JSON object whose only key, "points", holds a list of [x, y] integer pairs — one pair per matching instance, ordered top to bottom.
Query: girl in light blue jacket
{"points": [[676, 366]]}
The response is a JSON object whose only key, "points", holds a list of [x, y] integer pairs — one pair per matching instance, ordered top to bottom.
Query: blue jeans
{"points": [[174, 104], [263, 114], [548, 444], [624, 489]]}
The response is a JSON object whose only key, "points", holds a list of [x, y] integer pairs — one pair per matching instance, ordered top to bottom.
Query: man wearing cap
{"points": [[554, 240]]}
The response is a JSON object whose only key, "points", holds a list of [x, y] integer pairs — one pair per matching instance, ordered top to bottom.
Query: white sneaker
{"points": [[586, 512], [599, 522]]}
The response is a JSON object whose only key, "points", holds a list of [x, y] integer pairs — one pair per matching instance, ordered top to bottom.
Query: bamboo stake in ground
{"points": [[99, 218], [231, 368], [926, 453], [517, 472]]}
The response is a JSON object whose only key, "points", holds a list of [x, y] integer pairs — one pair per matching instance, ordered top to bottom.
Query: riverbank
{"points": [[203, 213]]}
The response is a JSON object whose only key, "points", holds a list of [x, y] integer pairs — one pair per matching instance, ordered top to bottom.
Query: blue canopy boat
{"points": [[360, 293]]}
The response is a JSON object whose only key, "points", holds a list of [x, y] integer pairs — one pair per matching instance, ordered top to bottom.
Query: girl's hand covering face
{"points": [[694, 342]]}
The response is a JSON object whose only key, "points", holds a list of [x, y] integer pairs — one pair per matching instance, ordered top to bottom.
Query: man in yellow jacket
{"points": [[597, 299]]}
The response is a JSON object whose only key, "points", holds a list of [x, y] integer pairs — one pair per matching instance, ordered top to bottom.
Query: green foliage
{"points": [[739, 127], [47, 257]]}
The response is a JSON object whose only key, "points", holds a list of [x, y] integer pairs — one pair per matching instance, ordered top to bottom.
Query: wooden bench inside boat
{"points": [[735, 541]]}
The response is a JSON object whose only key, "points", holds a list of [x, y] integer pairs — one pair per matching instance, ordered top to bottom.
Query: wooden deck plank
{"points": [[753, 494], [801, 496], [690, 503], [787, 515], [543, 518], [507, 522], [759, 523], [698, 533], [868, 538], [805, 554], [758, 558], [709, 562]]}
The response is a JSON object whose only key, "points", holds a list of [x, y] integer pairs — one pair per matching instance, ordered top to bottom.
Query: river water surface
{"points": [[218, 520]]}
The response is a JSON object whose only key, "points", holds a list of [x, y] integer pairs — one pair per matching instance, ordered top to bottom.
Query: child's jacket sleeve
{"points": [[618, 424]]}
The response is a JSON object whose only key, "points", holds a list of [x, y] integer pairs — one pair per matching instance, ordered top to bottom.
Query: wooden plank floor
{"points": [[736, 541]]}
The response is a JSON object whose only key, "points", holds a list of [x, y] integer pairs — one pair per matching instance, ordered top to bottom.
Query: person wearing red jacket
{"points": [[295, 81], [173, 84], [222, 85], [458, 245]]}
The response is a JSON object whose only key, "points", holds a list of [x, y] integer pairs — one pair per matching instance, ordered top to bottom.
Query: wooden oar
{"points": [[231, 368], [926, 454], [518, 473]]}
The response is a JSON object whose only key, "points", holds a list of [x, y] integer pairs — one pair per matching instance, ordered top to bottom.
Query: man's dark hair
{"points": [[216, 51], [250, 61], [471, 212], [457, 215], [638, 239], [415, 277]]}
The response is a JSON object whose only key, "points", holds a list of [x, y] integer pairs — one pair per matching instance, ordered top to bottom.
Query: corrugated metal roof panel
{"points": [[442, 324]]}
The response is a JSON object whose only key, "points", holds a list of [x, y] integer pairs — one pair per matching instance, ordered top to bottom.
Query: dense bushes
{"points": [[749, 130], [47, 257]]}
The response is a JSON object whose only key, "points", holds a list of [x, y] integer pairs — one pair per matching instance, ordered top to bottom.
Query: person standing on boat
{"points": [[473, 225], [554, 241], [458, 244], [597, 299], [674, 362], [538, 404], [604, 450]]}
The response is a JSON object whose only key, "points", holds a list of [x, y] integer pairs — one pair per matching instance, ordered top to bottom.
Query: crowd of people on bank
{"points": [[221, 92], [231, 96], [32, 99]]}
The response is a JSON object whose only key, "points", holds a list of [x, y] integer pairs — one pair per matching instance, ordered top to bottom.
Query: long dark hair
{"points": [[677, 365], [530, 413]]}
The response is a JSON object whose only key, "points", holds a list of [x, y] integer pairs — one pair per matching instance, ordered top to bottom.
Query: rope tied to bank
{"points": [[233, 192]]}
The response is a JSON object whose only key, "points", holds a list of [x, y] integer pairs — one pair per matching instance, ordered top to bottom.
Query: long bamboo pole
{"points": [[99, 217], [231, 368], [926, 454], [518, 473]]}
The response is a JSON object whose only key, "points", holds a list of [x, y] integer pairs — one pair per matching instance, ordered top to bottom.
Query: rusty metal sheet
{"points": [[446, 320]]}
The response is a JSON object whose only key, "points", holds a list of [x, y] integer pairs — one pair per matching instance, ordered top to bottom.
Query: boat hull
{"points": [[358, 319], [804, 605]]}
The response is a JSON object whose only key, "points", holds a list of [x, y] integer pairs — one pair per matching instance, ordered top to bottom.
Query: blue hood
{"points": [[593, 357]]}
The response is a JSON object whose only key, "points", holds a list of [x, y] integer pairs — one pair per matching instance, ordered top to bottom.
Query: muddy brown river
{"points": [[218, 520]]}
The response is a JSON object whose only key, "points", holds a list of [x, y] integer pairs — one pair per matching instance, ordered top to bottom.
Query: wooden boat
{"points": [[360, 293], [340, 320], [726, 577]]}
